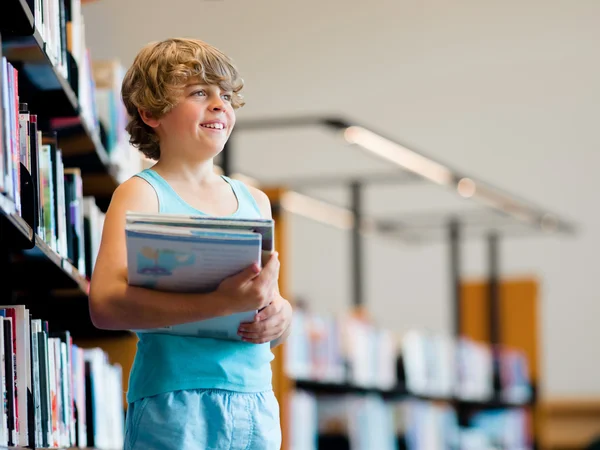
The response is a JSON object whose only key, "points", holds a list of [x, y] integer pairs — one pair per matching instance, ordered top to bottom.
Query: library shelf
{"points": [[18, 20], [45, 89], [50, 95], [14, 225], [37, 261], [43, 262], [37, 272], [328, 388], [401, 393], [330, 441], [333, 441], [46, 448]]}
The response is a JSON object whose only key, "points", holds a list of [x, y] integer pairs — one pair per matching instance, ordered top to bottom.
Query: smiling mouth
{"points": [[213, 126]]}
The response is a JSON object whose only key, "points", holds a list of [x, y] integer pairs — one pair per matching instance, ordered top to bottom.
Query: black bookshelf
{"points": [[17, 18], [42, 85], [49, 94], [13, 228], [32, 258], [48, 283], [327, 388], [400, 393], [464, 408], [332, 441], [27, 448]]}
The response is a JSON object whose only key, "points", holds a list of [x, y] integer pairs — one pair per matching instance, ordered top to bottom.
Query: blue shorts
{"points": [[204, 419]]}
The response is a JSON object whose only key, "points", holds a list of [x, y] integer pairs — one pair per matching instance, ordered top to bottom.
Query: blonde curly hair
{"points": [[158, 75]]}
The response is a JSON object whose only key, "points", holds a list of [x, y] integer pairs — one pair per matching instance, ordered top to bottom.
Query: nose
{"points": [[217, 103]]}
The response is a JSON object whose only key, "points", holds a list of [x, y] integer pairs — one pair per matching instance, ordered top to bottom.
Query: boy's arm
{"points": [[116, 305]]}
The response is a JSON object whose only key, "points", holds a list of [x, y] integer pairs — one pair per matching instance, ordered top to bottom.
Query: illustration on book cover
{"points": [[162, 262]]}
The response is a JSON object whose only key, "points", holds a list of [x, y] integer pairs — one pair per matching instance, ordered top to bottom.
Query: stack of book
{"points": [[112, 116], [69, 222], [171, 252], [314, 348], [342, 349], [436, 365], [56, 393], [366, 420], [303, 421], [426, 425], [435, 426]]}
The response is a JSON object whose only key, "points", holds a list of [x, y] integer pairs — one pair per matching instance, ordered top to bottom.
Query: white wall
{"points": [[506, 91]]}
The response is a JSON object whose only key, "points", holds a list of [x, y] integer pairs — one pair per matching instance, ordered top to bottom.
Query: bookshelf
{"points": [[48, 92], [58, 168], [401, 392]]}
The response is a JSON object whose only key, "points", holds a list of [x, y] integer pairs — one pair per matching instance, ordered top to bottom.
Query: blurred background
{"points": [[432, 170]]}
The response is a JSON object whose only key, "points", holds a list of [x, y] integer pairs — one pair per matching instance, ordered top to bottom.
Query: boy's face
{"points": [[202, 120]]}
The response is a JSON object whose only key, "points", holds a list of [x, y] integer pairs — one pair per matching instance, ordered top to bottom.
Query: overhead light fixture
{"points": [[401, 156], [409, 160], [416, 163], [466, 187], [505, 204], [317, 210]]}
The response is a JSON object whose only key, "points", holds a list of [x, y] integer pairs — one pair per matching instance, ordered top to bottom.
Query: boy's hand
{"points": [[252, 288], [269, 324]]}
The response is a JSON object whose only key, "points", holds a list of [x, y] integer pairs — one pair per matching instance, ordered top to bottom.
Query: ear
{"points": [[148, 118]]}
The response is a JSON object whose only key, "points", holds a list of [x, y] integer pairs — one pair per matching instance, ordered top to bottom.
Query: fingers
{"points": [[271, 269], [247, 274], [266, 283], [271, 310], [262, 331]]}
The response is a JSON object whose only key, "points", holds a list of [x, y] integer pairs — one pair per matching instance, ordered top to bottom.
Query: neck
{"points": [[188, 169]]}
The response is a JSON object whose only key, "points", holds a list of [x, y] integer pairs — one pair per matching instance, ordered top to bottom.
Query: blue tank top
{"points": [[166, 363]]}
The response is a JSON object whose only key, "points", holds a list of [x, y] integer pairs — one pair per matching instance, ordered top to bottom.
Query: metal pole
{"points": [[454, 238], [357, 251], [494, 289], [494, 308]]}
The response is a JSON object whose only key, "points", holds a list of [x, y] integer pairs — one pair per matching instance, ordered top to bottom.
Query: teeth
{"points": [[217, 126]]}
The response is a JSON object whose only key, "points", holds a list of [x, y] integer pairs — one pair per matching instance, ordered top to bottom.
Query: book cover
{"points": [[264, 227], [189, 259], [11, 392]]}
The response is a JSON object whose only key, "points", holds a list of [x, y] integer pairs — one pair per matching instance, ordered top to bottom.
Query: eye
{"points": [[198, 93], [227, 97]]}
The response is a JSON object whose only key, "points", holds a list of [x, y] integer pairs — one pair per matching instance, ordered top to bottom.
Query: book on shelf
{"points": [[112, 115], [10, 146], [69, 222], [93, 222], [183, 253], [341, 349], [440, 366], [437, 370], [56, 394], [366, 420], [302, 422], [436, 426]]}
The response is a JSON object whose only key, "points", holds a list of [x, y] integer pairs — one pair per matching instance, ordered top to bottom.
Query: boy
{"points": [[188, 393]]}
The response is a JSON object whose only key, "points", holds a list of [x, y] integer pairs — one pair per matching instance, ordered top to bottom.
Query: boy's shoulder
{"points": [[135, 191], [261, 199]]}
